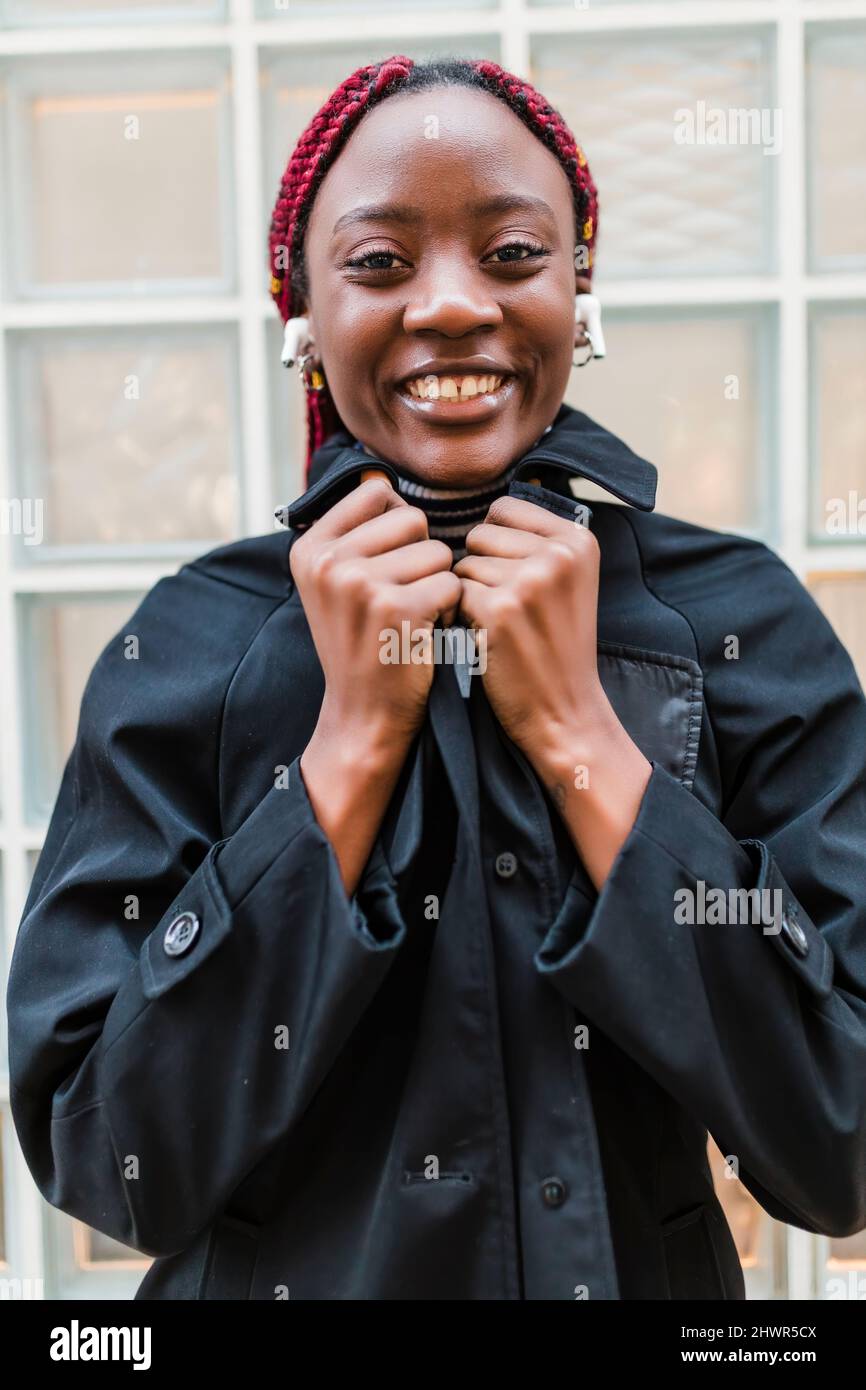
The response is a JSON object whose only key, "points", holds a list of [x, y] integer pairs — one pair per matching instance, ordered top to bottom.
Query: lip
{"points": [[468, 412]]}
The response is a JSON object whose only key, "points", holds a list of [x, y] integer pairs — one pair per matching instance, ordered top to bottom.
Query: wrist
{"points": [[560, 747]]}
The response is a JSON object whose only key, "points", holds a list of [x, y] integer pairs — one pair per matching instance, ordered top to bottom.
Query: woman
{"points": [[345, 974]]}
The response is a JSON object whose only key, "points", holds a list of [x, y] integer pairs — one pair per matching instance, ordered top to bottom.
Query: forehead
{"points": [[437, 148]]}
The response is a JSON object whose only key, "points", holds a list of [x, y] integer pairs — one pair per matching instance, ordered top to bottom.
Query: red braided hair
{"points": [[327, 133]]}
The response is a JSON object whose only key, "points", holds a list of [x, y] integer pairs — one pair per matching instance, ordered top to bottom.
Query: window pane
{"points": [[290, 9], [36, 12], [295, 83], [836, 145], [120, 175], [667, 207], [697, 406], [838, 426], [128, 436], [842, 596], [61, 640], [756, 1235], [93, 1250], [3, 1255]]}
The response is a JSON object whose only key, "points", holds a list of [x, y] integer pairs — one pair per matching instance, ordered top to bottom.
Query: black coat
{"points": [[438, 1125]]}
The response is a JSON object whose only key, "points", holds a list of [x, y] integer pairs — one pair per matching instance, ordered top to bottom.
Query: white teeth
{"points": [[449, 388]]}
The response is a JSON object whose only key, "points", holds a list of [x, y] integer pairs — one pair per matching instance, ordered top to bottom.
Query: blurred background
{"points": [[143, 401]]}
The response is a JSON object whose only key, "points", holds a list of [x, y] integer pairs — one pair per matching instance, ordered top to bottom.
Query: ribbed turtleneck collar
{"points": [[451, 512]]}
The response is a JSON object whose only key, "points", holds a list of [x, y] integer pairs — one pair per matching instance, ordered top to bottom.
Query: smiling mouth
{"points": [[454, 390]]}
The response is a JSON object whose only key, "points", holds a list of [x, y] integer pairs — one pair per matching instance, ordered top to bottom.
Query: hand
{"points": [[367, 566], [530, 581]]}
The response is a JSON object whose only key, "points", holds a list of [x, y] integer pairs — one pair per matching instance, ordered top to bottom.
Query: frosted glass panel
{"points": [[290, 9], [36, 12], [296, 83], [836, 143], [120, 175], [667, 207], [690, 392], [838, 400], [129, 436], [842, 596], [60, 642], [752, 1229], [94, 1250], [3, 1253]]}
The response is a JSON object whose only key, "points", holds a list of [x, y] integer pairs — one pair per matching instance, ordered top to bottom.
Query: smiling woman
{"points": [[478, 213], [344, 976]]}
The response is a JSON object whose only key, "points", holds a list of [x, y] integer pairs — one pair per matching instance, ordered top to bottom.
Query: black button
{"points": [[506, 864], [793, 932], [180, 934], [553, 1192]]}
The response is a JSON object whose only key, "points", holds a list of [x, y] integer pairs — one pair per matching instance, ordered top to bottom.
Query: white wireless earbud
{"points": [[587, 310], [295, 335]]}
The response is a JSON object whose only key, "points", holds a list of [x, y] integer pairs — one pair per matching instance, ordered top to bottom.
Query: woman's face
{"points": [[440, 252]]}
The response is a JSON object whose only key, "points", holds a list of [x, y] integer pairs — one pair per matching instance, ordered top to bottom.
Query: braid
{"points": [[327, 133]]}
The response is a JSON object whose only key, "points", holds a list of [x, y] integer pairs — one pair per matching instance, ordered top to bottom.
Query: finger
{"points": [[368, 473], [369, 499], [528, 516], [385, 532], [486, 539], [410, 562], [490, 570], [431, 596], [474, 601]]}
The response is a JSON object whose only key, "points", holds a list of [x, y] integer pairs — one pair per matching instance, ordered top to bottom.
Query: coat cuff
{"points": [[282, 832], [676, 843]]}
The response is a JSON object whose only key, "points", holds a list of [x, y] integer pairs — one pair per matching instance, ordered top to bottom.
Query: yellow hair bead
{"points": [[581, 159], [587, 229], [276, 285]]}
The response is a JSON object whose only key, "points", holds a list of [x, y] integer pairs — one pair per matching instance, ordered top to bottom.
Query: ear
{"points": [[583, 285]]}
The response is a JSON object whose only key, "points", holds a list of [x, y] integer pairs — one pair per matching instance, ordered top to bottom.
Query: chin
{"points": [[465, 458]]}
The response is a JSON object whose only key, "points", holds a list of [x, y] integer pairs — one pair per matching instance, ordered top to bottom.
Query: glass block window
{"points": [[27, 13], [836, 132], [119, 175], [674, 199], [699, 405], [838, 423], [129, 438], [842, 596], [61, 637]]}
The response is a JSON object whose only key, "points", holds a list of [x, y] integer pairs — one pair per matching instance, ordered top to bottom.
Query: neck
{"points": [[452, 512]]}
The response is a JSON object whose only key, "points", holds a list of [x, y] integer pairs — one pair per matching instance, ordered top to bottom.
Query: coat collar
{"points": [[575, 446]]}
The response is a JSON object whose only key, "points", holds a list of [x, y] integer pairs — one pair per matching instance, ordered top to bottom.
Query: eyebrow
{"points": [[399, 212]]}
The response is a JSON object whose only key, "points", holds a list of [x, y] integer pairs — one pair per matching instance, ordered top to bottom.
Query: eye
{"points": [[515, 251], [365, 262]]}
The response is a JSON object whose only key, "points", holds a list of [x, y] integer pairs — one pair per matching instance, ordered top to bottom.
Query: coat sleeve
{"points": [[754, 1021], [146, 1083]]}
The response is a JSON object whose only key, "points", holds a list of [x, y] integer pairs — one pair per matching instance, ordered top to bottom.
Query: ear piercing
{"points": [[587, 311], [295, 336]]}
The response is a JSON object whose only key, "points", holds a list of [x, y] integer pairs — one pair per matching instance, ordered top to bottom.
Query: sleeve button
{"points": [[792, 930], [180, 934], [553, 1192]]}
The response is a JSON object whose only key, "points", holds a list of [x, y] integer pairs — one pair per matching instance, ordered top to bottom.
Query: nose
{"points": [[451, 297]]}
